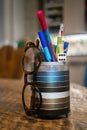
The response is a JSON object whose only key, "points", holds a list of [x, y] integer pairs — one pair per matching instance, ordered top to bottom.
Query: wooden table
{"points": [[12, 115]]}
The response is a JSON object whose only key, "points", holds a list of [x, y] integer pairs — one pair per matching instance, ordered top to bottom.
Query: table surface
{"points": [[12, 115]]}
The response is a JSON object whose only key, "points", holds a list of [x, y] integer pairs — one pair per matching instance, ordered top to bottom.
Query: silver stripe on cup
{"points": [[52, 66], [55, 95]]}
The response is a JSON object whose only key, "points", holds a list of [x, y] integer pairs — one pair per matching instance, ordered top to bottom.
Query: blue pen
{"points": [[49, 44], [44, 45], [66, 47]]}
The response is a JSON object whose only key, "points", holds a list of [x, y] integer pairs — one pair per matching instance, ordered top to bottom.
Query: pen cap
{"points": [[41, 19], [61, 29], [66, 46]]}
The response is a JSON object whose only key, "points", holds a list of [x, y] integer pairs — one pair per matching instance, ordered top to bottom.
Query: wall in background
{"points": [[74, 16], [18, 18], [30, 18], [14, 19], [11, 20], [1, 21], [8, 21]]}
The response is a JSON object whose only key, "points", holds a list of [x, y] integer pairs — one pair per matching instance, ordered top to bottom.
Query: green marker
{"points": [[57, 50]]}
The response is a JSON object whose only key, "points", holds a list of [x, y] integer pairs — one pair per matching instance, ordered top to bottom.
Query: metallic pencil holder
{"points": [[52, 80], [50, 90]]}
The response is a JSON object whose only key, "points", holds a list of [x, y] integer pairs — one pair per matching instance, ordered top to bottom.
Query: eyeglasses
{"points": [[31, 62]]}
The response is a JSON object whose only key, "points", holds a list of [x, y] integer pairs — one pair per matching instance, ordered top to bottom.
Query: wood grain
{"points": [[12, 115]]}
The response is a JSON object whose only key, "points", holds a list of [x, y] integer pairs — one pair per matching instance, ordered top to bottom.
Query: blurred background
{"points": [[18, 22]]}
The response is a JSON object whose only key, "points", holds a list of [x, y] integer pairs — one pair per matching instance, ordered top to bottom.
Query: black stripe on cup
{"points": [[55, 84], [54, 89]]}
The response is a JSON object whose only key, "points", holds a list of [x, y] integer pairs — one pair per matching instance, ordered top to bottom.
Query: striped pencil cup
{"points": [[52, 80]]}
